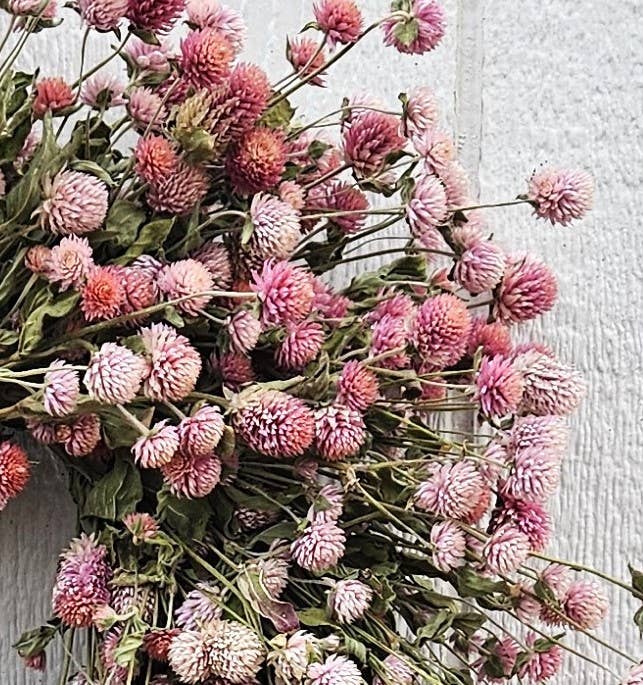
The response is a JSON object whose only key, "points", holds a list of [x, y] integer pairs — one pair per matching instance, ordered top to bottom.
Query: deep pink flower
{"points": [[212, 14], [155, 15], [340, 20], [421, 33], [306, 57], [206, 58], [250, 89], [52, 95], [147, 109], [421, 113], [369, 139], [156, 158], [257, 161], [456, 184], [180, 191], [561, 195], [339, 196], [76, 204], [427, 207], [276, 231], [37, 260], [69, 262], [480, 267], [187, 278], [527, 290], [285, 292], [103, 295], [330, 304], [399, 306], [441, 330], [244, 331], [490, 338], [389, 341], [301, 345], [175, 364], [235, 370], [114, 374], [357, 387], [499, 387], [60, 389], [275, 424], [339, 432], [200, 433], [547, 433], [83, 435], [158, 447], [14, 471], [535, 475], [192, 477], [451, 490], [529, 518], [449, 545], [319, 547], [506, 550], [557, 579], [349, 600], [585, 605], [156, 644], [505, 653], [36, 662], [542, 665]]}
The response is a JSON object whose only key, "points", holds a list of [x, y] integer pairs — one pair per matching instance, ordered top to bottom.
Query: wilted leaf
{"points": [[53, 307], [115, 494], [188, 517]]}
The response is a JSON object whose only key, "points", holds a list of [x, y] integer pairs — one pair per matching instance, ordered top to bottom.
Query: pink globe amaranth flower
{"points": [[33, 8], [212, 14], [103, 15], [155, 15], [340, 20], [420, 33], [147, 57], [307, 57], [206, 58], [250, 89], [103, 91], [52, 95], [147, 110], [421, 112], [371, 137], [436, 148], [156, 158], [256, 161], [456, 184], [179, 192], [293, 194], [561, 195], [339, 196], [75, 204], [427, 207], [276, 231], [216, 259], [37, 260], [69, 262], [480, 267], [187, 278], [527, 290], [141, 291], [285, 292], [103, 295], [329, 304], [397, 305], [441, 329], [244, 331], [490, 338], [389, 341], [301, 346], [175, 364], [236, 370], [114, 374], [357, 387], [499, 387], [551, 387], [60, 389], [275, 424], [339, 432], [200, 433], [547, 433], [83, 435], [158, 447], [14, 471], [534, 476], [192, 477], [451, 490], [328, 504], [529, 518], [254, 519], [142, 526], [449, 545], [319, 547], [506, 550], [557, 579], [82, 582], [349, 600], [526, 605], [585, 605], [198, 607], [156, 644], [235, 652], [505, 652], [189, 657], [36, 662], [542, 665], [336, 670], [396, 671], [634, 676]]}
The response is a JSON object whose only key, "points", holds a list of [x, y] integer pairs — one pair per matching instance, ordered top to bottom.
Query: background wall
{"points": [[522, 84]]}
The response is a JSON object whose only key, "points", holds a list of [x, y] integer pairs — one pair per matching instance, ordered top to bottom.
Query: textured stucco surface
{"points": [[522, 84]]}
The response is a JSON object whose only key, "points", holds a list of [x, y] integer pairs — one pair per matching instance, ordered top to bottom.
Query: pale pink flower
{"points": [[32, 7], [212, 14], [104, 15], [155, 15], [340, 20], [425, 29], [147, 57], [306, 57], [206, 58], [250, 89], [102, 91], [53, 95], [146, 108], [421, 112], [369, 140], [436, 148], [257, 160], [456, 184], [180, 191], [293, 194], [561, 195], [339, 196], [75, 204], [427, 207], [276, 231], [216, 259], [70, 262], [480, 267], [190, 279], [527, 290], [141, 291], [285, 292], [103, 294], [441, 330], [244, 331], [490, 338], [389, 341], [300, 346], [174, 364], [114, 374], [357, 387], [499, 387], [60, 389], [275, 424], [339, 432], [200, 433], [547, 433], [83, 435], [157, 448], [14, 471], [534, 476], [192, 477], [451, 490], [328, 504], [529, 518], [142, 526], [449, 545], [319, 547], [506, 550], [557, 579], [349, 600], [585, 605], [198, 607], [235, 652], [291, 655], [189, 657], [542, 665], [336, 670], [396, 671], [634, 676]]}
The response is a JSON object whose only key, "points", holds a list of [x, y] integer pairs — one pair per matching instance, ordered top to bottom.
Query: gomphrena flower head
{"points": [[32, 8], [212, 14], [103, 15], [155, 15], [340, 20], [419, 33], [147, 57], [307, 57], [206, 58], [249, 88], [53, 95], [146, 108], [421, 112], [371, 137], [436, 148], [156, 157], [257, 160], [456, 184], [178, 193], [293, 194], [561, 195], [338, 197], [75, 204], [427, 207], [275, 232], [216, 259], [37, 260], [69, 262], [480, 267], [187, 278], [527, 290], [141, 291], [285, 292], [103, 295], [330, 305], [244, 330], [441, 330], [490, 338], [389, 340], [301, 345], [175, 364], [235, 370], [114, 374], [357, 387], [499, 387], [60, 389], [275, 424], [339, 432], [200, 433], [547, 433], [82, 435], [158, 447], [14, 471], [534, 476], [192, 477], [451, 490], [328, 504], [529, 518], [142, 526], [449, 545], [319, 547], [506, 550], [82, 582], [349, 600], [585, 605], [199, 607], [157, 642], [235, 652], [504, 654], [291, 655], [188, 657], [36, 662], [542, 665], [336, 670], [396, 670], [634, 676]]}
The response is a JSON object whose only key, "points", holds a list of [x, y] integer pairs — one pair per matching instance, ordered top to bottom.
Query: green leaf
{"points": [[407, 31], [279, 115], [89, 167], [122, 224], [247, 231], [150, 239], [9, 273], [53, 307], [117, 433], [115, 494], [188, 517], [637, 579], [471, 584], [313, 617], [638, 620], [435, 629], [33, 642], [356, 648]]}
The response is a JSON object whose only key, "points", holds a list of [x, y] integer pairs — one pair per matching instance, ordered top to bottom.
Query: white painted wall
{"points": [[522, 83]]}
